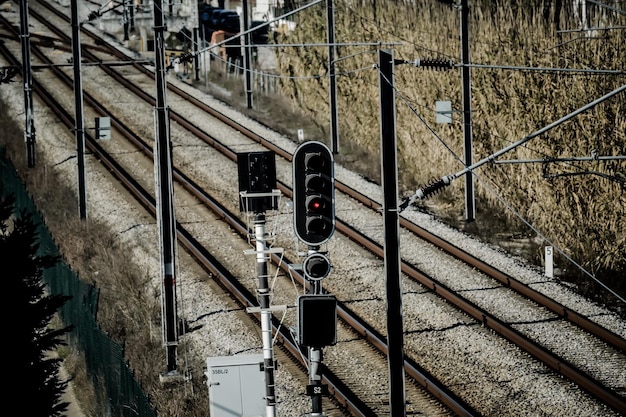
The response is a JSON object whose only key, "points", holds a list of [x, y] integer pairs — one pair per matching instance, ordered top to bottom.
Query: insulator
{"points": [[93, 15], [184, 58], [439, 64], [433, 188]]}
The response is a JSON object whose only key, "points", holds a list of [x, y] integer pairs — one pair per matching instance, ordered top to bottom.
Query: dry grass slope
{"points": [[579, 213]]}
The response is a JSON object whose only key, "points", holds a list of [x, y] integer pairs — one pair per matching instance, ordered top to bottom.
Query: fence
{"points": [[263, 76], [120, 393]]}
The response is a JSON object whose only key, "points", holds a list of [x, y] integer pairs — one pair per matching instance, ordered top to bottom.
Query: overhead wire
{"points": [[292, 77], [424, 122], [526, 146], [497, 195]]}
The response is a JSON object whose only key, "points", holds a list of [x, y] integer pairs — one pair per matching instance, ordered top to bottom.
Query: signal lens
{"points": [[314, 161], [316, 183], [315, 204], [317, 225], [316, 266]]}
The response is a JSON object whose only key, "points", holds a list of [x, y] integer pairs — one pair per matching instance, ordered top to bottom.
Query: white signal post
{"points": [[258, 193], [549, 254]]}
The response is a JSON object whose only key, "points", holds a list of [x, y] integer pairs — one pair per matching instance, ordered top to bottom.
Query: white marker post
{"points": [[549, 253]]}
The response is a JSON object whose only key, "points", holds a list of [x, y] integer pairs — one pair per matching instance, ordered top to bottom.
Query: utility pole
{"points": [[132, 17], [126, 19], [194, 49], [247, 51], [332, 79], [79, 122], [29, 126], [389, 175], [165, 196], [470, 201], [323, 308], [316, 389]]}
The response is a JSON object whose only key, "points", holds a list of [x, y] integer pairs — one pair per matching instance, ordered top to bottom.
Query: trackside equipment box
{"points": [[236, 386]]}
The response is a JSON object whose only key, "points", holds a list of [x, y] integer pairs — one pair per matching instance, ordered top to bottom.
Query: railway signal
{"points": [[257, 176], [313, 193], [314, 224], [317, 320]]}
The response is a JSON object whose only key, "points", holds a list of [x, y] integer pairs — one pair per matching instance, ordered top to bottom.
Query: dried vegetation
{"points": [[579, 207], [582, 214], [126, 312]]}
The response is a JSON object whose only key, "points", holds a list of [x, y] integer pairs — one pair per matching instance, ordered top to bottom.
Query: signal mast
{"points": [[314, 224]]}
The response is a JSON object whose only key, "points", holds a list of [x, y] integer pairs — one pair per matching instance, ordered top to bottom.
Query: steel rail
{"points": [[514, 284], [538, 351], [553, 361], [558, 364], [561, 366], [429, 383], [342, 394]]}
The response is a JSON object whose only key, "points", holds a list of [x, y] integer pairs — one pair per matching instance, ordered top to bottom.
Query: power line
{"points": [[547, 69], [436, 186], [423, 193], [534, 229]]}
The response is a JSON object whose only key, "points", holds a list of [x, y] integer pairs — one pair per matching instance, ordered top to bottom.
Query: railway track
{"points": [[606, 339], [341, 393]]}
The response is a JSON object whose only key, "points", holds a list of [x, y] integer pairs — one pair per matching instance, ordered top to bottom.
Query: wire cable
{"points": [[500, 198]]}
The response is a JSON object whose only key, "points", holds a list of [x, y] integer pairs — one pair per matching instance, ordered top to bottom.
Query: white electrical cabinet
{"points": [[236, 386]]}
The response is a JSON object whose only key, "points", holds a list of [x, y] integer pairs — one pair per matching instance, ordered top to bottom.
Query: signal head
{"points": [[257, 176], [313, 193], [317, 320]]}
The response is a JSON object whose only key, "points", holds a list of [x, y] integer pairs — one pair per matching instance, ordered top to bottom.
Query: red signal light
{"points": [[316, 204]]}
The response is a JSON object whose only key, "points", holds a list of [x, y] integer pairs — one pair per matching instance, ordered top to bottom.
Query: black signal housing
{"points": [[313, 193]]}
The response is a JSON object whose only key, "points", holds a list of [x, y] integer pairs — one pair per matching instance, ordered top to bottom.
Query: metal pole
{"points": [[132, 17], [125, 20], [194, 48], [247, 51], [205, 57], [332, 80], [79, 122], [29, 126], [389, 175], [165, 194], [470, 201], [266, 315], [315, 357], [315, 379]]}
